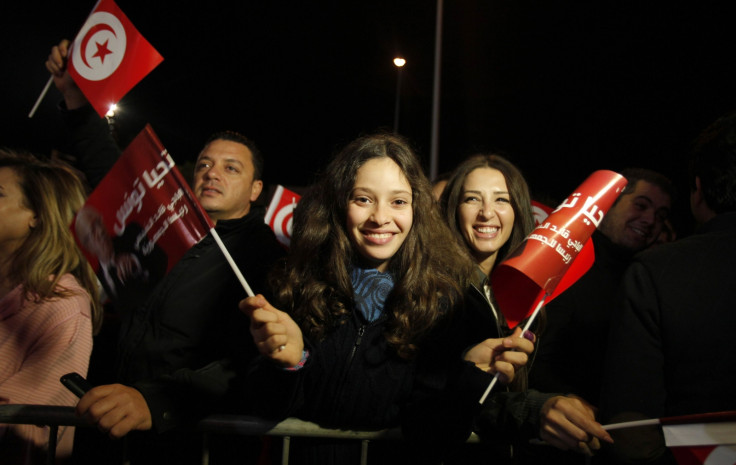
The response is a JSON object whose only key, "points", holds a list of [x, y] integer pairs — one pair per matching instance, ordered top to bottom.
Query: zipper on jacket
{"points": [[358, 340], [343, 380]]}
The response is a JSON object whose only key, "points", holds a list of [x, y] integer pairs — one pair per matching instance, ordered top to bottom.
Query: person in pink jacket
{"points": [[49, 305]]}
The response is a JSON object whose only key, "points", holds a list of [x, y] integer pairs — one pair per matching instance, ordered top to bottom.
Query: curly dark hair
{"points": [[429, 268]]}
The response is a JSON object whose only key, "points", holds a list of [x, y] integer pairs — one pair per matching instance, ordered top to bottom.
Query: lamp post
{"points": [[399, 63]]}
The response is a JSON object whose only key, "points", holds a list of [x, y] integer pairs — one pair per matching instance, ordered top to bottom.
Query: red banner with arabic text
{"points": [[140, 219], [540, 263]]}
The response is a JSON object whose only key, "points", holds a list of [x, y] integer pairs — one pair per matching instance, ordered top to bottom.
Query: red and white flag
{"points": [[109, 56], [145, 205], [541, 212], [280, 213], [544, 264], [696, 439], [712, 442]]}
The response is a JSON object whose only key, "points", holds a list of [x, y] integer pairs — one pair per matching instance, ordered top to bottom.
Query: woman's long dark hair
{"points": [[518, 193], [429, 268]]}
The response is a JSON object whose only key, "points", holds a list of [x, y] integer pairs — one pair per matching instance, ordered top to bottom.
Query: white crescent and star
{"points": [[99, 47]]}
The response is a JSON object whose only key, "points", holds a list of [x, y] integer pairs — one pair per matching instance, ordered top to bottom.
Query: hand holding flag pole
{"points": [[108, 58], [144, 187], [555, 254], [528, 325]]}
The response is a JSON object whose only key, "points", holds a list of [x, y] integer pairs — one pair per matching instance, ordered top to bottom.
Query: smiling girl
{"points": [[370, 285]]}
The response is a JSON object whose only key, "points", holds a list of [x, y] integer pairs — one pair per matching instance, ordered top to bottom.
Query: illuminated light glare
{"points": [[399, 62], [111, 112]]}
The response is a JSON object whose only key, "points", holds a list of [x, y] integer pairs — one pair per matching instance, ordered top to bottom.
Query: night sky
{"points": [[561, 88]]}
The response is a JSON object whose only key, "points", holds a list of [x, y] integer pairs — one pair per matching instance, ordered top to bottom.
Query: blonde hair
{"points": [[54, 193]]}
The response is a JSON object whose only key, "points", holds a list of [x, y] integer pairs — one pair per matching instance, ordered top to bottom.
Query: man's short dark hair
{"points": [[234, 136], [714, 162], [634, 175]]}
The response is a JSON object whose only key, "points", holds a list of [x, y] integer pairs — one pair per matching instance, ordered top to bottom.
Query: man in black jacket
{"points": [[671, 343], [572, 346], [183, 347]]}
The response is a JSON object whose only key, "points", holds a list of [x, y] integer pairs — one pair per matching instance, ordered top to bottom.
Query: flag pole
{"points": [[40, 97], [230, 260], [526, 328], [631, 424]]}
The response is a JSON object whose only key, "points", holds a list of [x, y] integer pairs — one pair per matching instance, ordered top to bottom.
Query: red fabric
{"points": [[109, 56], [145, 188], [281, 212], [540, 263], [705, 455]]}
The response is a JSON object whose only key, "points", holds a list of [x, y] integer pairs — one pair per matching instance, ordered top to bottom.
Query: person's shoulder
{"points": [[77, 297], [71, 304]]}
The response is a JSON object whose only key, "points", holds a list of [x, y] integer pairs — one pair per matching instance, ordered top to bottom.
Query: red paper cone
{"points": [[539, 264]]}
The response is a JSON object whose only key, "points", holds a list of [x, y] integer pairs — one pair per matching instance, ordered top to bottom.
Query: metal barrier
{"points": [[55, 416]]}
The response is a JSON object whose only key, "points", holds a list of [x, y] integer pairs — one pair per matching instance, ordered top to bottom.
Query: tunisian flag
{"points": [[109, 56], [280, 213], [543, 265], [696, 439], [712, 442]]}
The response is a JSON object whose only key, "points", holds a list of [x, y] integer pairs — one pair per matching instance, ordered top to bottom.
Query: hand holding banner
{"points": [[144, 192], [170, 217], [541, 267]]}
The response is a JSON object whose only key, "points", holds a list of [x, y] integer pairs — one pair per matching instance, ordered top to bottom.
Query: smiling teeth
{"points": [[487, 230], [639, 232], [380, 236]]}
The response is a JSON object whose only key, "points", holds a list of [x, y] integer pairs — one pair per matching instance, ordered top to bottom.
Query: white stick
{"points": [[40, 97], [232, 263], [526, 327], [631, 424]]}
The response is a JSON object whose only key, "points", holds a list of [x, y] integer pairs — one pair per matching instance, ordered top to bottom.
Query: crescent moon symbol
{"points": [[87, 37]]}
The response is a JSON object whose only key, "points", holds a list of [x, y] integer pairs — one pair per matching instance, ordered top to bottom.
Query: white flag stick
{"points": [[40, 97], [232, 263], [526, 328], [631, 424]]}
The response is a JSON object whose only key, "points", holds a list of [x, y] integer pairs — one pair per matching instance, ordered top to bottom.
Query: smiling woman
{"points": [[379, 212], [372, 281]]}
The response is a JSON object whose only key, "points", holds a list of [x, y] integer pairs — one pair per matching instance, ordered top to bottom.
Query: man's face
{"points": [[223, 180], [637, 219]]}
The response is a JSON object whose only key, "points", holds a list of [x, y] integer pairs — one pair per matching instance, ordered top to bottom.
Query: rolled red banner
{"points": [[540, 263]]}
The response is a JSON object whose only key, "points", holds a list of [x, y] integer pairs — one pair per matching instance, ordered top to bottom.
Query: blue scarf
{"points": [[371, 287]]}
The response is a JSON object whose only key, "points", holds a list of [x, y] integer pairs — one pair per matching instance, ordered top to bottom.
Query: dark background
{"points": [[563, 88]]}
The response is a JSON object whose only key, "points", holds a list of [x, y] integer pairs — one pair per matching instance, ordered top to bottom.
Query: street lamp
{"points": [[399, 63]]}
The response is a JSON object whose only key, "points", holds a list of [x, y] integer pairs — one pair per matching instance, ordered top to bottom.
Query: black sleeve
{"points": [[91, 144]]}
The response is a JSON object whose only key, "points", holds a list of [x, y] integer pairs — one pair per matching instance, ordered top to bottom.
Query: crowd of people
{"points": [[381, 313]]}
